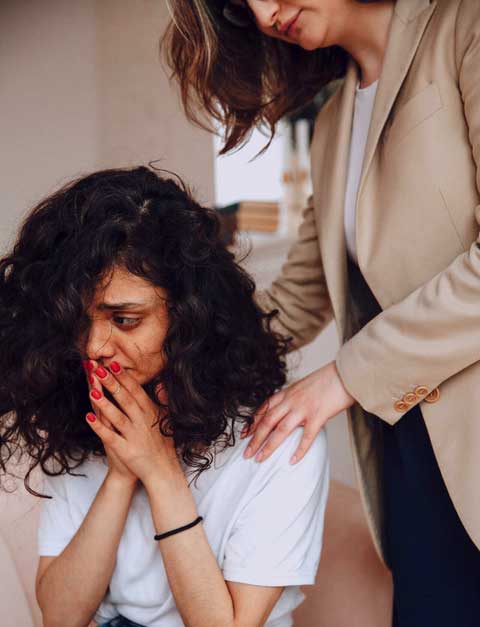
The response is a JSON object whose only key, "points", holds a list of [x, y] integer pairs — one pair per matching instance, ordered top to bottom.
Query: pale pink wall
{"points": [[82, 87], [48, 112], [140, 118]]}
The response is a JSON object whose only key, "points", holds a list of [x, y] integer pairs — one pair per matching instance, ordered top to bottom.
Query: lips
{"points": [[285, 28]]}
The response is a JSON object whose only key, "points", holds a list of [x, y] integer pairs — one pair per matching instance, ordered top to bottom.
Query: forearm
{"points": [[196, 581], [74, 585]]}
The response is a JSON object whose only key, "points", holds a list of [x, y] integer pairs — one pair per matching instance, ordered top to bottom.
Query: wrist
{"points": [[347, 399], [164, 478], [120, 482], [171, 501]]}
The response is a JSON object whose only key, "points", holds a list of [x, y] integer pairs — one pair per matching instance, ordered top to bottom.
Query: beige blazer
{"points": [[418, 221]]}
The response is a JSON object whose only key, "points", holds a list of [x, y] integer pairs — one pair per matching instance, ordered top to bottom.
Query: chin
{"points": [[306, 43], [311, 43], [310, 47]]}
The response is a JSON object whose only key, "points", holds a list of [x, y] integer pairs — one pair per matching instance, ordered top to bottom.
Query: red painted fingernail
{"points": [[89, 365], [115, 367], [101, 372], [91, 380], [96, 395], [91, 417]]}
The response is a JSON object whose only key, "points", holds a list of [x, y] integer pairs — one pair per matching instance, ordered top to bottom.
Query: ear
{"points": [[161, 394]]}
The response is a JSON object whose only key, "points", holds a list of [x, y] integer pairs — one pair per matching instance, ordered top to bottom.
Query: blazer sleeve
{"points": [[300, 292], [434, 333]]}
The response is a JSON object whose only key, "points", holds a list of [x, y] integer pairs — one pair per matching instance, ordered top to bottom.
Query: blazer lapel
{"points": [[408, 25], [329, 179]]}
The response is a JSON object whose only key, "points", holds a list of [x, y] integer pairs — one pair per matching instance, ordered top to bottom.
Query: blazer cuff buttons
{"points": [[412, 398]]}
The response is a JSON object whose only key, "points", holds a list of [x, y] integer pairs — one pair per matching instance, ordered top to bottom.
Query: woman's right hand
{"points": [[116, 467]]}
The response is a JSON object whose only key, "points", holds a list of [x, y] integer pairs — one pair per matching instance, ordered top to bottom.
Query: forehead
{"points": [[120, 285]]}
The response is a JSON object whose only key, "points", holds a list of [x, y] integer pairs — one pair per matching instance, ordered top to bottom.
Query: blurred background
{"points": [[83, 88]]}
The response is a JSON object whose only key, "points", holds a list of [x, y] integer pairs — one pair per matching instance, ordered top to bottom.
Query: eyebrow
{"points": [[115, 306]]}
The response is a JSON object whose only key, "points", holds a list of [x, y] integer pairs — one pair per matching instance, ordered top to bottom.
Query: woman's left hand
{"points": [[309, 402], [139, 443]]}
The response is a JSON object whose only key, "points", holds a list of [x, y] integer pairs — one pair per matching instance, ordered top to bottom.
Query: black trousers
{"points": [[434, 563]]}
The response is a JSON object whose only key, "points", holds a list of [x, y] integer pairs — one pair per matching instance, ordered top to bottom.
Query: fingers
{"points": [[93, 384], [115, 384], [130, 386], [262, 411], [116, 417], [277, 418], [266, 425], [284, 428], [107, 435], [278, 435], [309, 435]]}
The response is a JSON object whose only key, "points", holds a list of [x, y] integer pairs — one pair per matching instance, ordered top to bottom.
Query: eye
{"points": [[123, 321]]}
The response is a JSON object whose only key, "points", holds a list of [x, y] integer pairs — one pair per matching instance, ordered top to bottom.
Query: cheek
{"points": [[146, 349]]}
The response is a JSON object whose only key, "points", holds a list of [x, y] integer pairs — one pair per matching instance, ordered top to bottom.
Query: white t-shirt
{"points": [[364, 100], [264, 523]]}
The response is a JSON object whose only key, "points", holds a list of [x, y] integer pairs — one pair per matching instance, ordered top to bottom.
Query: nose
{"points": [[265, 12], [100, 342]]}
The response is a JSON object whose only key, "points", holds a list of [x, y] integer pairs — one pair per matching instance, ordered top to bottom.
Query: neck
{"points": [[365, 37]]}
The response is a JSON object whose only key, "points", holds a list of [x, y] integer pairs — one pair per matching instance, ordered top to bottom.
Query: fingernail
{"points": [[89, 365], [115, 367], [101, 372], [91, 380], [96, 395], [91, 417], [248, 452], [259, 457], [293, 460]]}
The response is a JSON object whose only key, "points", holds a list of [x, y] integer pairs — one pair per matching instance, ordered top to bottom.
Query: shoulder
{"points": [[467, 16], [467, 38], [232, 457], [314, 460], [313, 465]]}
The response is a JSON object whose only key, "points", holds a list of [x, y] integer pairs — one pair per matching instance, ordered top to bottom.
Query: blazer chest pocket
{"points": [[412, 113]]}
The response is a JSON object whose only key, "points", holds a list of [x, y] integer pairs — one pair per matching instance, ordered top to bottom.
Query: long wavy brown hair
{"points": [[238, 76]]}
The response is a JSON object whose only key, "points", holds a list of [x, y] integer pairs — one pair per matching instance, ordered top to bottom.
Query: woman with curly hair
{"points": [[388, 247], [123, 275]]}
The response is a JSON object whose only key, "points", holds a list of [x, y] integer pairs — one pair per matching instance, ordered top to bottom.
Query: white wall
{"points": [[236, 178]]}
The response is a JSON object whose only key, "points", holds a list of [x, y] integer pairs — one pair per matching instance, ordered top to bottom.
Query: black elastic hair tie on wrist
{"points": [[161, 536]]}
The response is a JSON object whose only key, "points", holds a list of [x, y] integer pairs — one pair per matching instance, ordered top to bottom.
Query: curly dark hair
{"points": [[222, 360]]}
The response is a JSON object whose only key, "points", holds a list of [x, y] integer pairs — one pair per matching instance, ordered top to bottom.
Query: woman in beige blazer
{"points": [[389, 247]]}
